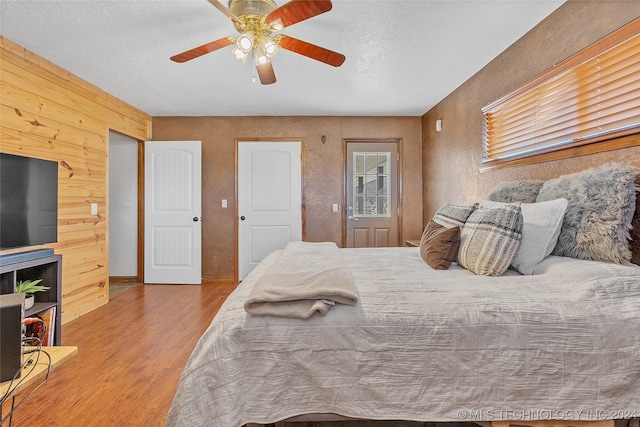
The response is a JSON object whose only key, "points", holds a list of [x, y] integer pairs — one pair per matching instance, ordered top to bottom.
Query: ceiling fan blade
{"points": [[226, 11], [295, 11], [201, 50], [311, 50], [266, 73]]}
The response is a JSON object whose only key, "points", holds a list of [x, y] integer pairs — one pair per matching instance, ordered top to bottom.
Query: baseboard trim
{"points": [[122, 279], [205, 279], [217, 279]]}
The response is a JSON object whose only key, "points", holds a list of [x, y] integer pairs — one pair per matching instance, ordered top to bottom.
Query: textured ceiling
{"points": [[402, 56]]}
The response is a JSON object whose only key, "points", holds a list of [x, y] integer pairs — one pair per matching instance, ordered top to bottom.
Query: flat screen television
{"points": [[28, 201]]}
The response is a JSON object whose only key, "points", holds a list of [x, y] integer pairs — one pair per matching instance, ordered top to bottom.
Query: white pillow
{"points": [[542, 224]]}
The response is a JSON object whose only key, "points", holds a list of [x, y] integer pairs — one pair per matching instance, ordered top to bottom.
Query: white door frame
{"points": [[302, 198]]}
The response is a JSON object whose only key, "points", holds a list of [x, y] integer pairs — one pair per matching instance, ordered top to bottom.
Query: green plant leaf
{"points": [[30, 286]]}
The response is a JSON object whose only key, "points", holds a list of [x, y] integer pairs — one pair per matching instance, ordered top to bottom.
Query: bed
{"points": [[423, 344]]}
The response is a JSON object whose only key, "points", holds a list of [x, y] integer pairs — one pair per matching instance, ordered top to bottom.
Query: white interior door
{"points": [[269, 199], [173, 231]]}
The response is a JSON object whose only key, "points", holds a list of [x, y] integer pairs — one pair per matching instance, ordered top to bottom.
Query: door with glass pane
{"points": [[371, 203]]}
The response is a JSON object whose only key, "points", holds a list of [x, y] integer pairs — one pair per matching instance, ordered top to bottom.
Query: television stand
{"points": [[24, 256], [32, 265]]}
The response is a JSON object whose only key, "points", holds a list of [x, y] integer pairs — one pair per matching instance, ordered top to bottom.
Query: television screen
{"points": [[28, 201]]}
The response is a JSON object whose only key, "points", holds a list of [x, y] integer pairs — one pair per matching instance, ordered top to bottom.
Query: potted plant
{"points": [[28, 288]]}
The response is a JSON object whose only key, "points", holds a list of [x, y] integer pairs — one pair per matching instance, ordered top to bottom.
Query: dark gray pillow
{"points": [[516, 191], [597, 222]]}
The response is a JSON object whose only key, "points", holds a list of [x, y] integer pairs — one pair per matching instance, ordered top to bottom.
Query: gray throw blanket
{"points": [[306, 278]]}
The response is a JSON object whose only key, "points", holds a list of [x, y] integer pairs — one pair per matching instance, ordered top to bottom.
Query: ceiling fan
{"points": [[256, 21]]}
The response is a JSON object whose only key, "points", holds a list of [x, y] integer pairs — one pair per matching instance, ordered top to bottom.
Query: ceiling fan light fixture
{"points": [[245, 42], [268, 46], [239, 54], [260, 58]]}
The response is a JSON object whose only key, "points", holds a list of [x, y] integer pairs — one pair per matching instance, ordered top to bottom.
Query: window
{"points": [[589, 99], [371, 184]]}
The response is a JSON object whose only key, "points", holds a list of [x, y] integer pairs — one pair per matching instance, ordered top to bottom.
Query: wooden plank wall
{"points": [[49, 113]]}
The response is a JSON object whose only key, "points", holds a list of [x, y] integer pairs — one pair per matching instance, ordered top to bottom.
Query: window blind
{"points": [[591, 97]]}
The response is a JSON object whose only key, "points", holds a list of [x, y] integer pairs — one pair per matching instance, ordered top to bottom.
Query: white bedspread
{"points": [[427, 345]]}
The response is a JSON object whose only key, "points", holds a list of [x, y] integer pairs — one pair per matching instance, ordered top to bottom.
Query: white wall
{"points": [[123, 205]]}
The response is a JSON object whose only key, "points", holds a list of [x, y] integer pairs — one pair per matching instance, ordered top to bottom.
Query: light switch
{"points": [[224, 203], [336, 207], [94, 209]]}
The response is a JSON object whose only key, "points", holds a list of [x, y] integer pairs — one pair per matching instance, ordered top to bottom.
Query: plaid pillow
{"points": [[453, 216], [490, 239]]}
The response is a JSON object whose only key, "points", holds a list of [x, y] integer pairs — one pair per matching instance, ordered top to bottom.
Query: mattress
{"points": [[427, 345]]}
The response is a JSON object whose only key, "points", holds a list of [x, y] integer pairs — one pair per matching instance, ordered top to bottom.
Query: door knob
{"points": [[242, 218], [352, 218], [195, 219]]}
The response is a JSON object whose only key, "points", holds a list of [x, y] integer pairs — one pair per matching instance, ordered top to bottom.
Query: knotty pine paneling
{"points": [[48, 77], [49, 113], [22, 121], [42, 146]]}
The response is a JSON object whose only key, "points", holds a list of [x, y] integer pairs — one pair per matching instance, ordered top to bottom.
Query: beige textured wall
{"points": [[451, 158], [323, 178]]}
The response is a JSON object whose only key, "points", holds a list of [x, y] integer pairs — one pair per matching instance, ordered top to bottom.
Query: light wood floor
{"points": [[131, 353]]}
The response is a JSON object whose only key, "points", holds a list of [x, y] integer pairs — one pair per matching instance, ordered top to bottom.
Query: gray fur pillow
{"points": [[516, 191], [597, 222]]}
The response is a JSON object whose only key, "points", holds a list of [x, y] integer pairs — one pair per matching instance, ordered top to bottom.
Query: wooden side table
{"points": [[413, 243], [31, 374]]}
